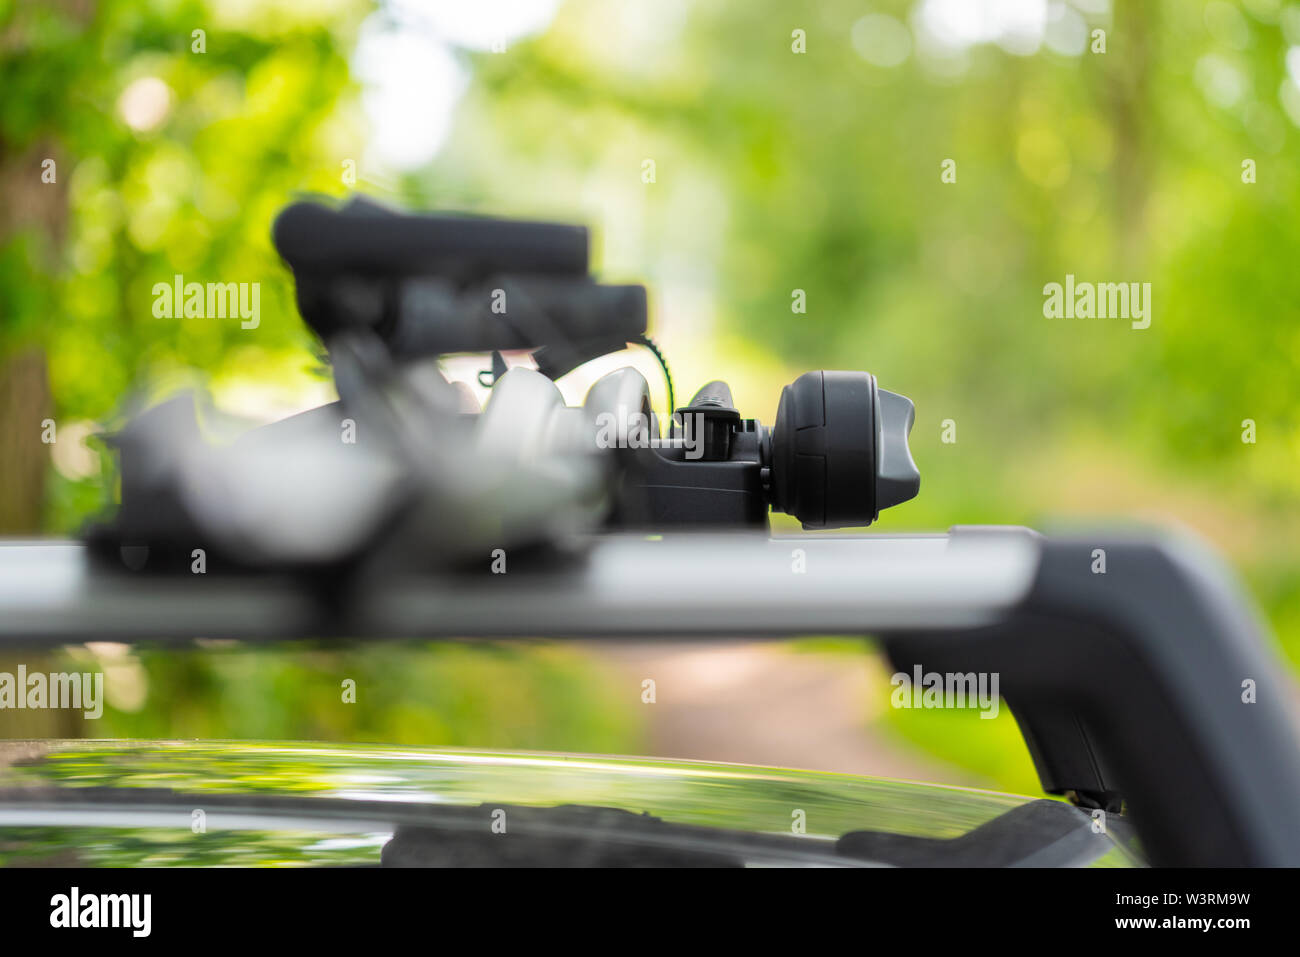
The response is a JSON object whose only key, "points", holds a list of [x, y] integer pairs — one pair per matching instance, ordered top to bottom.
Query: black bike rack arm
{"points": [[1150, 682]]}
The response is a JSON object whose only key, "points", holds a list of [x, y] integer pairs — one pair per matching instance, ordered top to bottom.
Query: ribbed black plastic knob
{"points": [[839, 450]]}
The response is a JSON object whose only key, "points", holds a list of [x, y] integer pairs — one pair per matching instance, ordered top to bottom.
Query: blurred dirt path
{"points": [[767, 704]]}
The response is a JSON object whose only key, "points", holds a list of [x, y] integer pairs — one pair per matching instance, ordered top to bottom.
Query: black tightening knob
{"points": [[711, 420], [839, 450]]}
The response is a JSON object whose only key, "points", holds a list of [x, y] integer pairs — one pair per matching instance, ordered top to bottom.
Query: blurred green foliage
{"points": [[774, 171], [526, 695]]}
